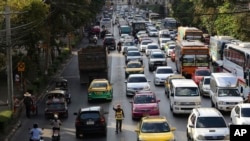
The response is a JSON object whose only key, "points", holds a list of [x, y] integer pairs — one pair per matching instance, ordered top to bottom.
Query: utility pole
{"points": [[9, 57]]}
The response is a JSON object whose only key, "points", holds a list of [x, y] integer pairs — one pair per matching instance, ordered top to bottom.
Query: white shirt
{"points": [[17, 78]]}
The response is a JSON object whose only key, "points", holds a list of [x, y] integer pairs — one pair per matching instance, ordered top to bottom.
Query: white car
{"points": [[141, 32], [152, 32], [123, 37], [162, 42], [127, 43], [143, 45], [150, 47], [130, 48], [170, 49], [133, 55], [161, 74], [136, 82], [204, 86], [240, 114], [207, 123]]}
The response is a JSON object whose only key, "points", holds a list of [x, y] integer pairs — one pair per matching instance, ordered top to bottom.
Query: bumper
{"points": [[159, 82], [131, 92], [205, 92], [100, 96], [225, 107], [183, 109], [61, 114], [142, 114], [90, 130]]}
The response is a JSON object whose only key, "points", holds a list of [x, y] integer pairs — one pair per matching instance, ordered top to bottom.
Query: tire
{"points": [[212, 104]]}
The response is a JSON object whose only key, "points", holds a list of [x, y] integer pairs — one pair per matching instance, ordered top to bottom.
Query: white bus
{"points": [[154, 17], [170, 23], [236, 60]]}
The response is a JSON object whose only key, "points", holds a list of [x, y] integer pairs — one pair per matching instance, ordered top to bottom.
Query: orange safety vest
{"points": [[119, 115]]}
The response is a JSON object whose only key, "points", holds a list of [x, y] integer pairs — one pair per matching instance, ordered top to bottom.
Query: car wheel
{"points": [[212, 104], [171, 108], [77, 135]]}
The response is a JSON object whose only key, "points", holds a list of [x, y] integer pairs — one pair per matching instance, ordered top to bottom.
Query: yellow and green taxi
{"points": [[134, 67], [168, 80], [100, 89], [154, 128]]}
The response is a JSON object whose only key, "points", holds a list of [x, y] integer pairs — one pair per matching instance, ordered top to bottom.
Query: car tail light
{"points": [[102, 120], [77, 122]]}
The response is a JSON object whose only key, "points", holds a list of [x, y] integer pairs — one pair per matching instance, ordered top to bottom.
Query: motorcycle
{"points": [[56, 131], [41, 138]]}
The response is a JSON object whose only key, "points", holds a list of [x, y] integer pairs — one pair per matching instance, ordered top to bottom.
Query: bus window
{"points": [[188, 60], [202, 61]]}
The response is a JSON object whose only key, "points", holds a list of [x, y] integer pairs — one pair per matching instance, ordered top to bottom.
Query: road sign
{"points": [[21, 66]]}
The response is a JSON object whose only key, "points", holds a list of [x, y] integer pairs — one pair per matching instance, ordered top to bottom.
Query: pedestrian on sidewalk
{"points": [[17, 81], [28, 102], [119, 116]]}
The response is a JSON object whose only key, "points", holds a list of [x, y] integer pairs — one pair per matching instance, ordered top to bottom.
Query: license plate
{"points": [[98, 92], [90, 122], [55, 134]]}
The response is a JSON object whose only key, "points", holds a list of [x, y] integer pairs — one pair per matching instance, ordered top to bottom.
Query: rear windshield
{"points": [[145, 43], [152, 47], [207, 81], [88, 115], [210, 122]]}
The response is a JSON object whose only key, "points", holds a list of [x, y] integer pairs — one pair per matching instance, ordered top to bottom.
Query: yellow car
{"points": [[134, 67], [168, 80], [100, 89], [154, 128]]}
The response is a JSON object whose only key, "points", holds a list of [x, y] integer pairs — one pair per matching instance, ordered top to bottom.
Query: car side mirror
{"points": [[125, 81], [130, 101], [75, 114], [237, 115], [191, 126], [172, 128], [137, 130]]}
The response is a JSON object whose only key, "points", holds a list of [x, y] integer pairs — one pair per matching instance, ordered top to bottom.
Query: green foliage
{"points": [[183, 11], [5, 118]]}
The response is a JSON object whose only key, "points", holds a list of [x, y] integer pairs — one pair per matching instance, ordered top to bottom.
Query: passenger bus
{"points": [[154, 17], [170, 23], [189, 33], [216, 46], [190, 54], [236, 60]]}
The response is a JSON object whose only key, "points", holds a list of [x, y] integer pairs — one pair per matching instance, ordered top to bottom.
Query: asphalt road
{"points": [[79, 99]]}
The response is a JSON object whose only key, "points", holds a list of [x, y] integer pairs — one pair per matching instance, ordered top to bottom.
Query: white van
{"points": [[224, 91], [184, 96]]}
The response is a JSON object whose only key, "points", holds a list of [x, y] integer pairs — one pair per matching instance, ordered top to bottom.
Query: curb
{"points": [[19, 122]]}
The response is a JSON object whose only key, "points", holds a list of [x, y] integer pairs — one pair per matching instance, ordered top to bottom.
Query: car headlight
{"points": [[157, 78], [146, 88], [177, 103], [197, 103], [221, 103], [200, 137], [227, 137]]}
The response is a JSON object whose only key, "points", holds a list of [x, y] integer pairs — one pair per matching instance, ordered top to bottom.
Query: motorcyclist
{"points": [[95, 38], [119, 46], [56, 123], [35, 133]]}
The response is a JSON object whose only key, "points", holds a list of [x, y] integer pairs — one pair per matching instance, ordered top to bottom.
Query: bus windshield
{"points": [[195, 60]]}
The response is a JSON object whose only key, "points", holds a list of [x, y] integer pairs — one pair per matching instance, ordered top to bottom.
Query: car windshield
{"points": [[153, 30], [164, 41], [145, 43], [128, 44], [152, 47], [171, 47], [134, 54], [157, 56], [134, 65], [164, 71], [202, 73], [137, 79], [207, 81], [98, 85], [187, 91], [228, 92], [140, 99], [55, 106], [245, 112], [89, 115], [210, 122], [155, 127]]}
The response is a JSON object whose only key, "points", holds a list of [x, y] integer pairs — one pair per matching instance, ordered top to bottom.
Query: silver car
{"points": [[161, 74], [136, 82], [204, 86]]}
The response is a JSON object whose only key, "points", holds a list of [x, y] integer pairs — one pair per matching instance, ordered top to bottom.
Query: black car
{"points": [[109, 43], [90, 120]]}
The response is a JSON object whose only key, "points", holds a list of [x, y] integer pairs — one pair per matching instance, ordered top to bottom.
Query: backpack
{"points": [[28, 101]]}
